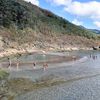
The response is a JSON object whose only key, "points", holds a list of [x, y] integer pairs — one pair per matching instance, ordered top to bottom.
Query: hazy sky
{"points": [[79, 12]]}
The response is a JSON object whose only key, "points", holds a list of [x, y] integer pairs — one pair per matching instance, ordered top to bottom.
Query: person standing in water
{"points": [[90, 55], [74, 58], [9, 65], [17, 65], [34, 65], [45, 66]]}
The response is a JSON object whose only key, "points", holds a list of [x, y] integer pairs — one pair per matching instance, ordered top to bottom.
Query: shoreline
{"points": [[14, 52], [23, 83]]}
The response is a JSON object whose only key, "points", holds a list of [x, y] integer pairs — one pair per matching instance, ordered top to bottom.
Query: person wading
{"points": [[9, 65], [17, 65], [34, 65], [45, 66]]}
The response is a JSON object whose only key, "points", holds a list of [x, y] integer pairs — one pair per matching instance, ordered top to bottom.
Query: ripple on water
{"points": [[86, 89]]}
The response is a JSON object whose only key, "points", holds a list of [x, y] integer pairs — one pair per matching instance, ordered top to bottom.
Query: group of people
{"points": [[94, 57], [45, 65]]}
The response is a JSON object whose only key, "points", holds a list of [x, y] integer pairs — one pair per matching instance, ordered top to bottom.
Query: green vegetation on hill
{"points": [[18, 15]]}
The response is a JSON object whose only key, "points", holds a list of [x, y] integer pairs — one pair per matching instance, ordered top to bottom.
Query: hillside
{"points": [[22, 22], [95, 30]]}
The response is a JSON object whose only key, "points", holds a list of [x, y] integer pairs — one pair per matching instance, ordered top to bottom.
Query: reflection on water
{"points": [[37, 57]]}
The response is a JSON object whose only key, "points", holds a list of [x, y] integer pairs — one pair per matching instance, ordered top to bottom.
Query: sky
{"points": [[80, 12]]}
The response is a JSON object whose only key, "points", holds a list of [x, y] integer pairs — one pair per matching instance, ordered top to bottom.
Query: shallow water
{"points": [[82, 77]]}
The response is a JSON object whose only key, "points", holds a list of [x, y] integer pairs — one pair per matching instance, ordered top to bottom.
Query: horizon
{"points": [[85, 12]]}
